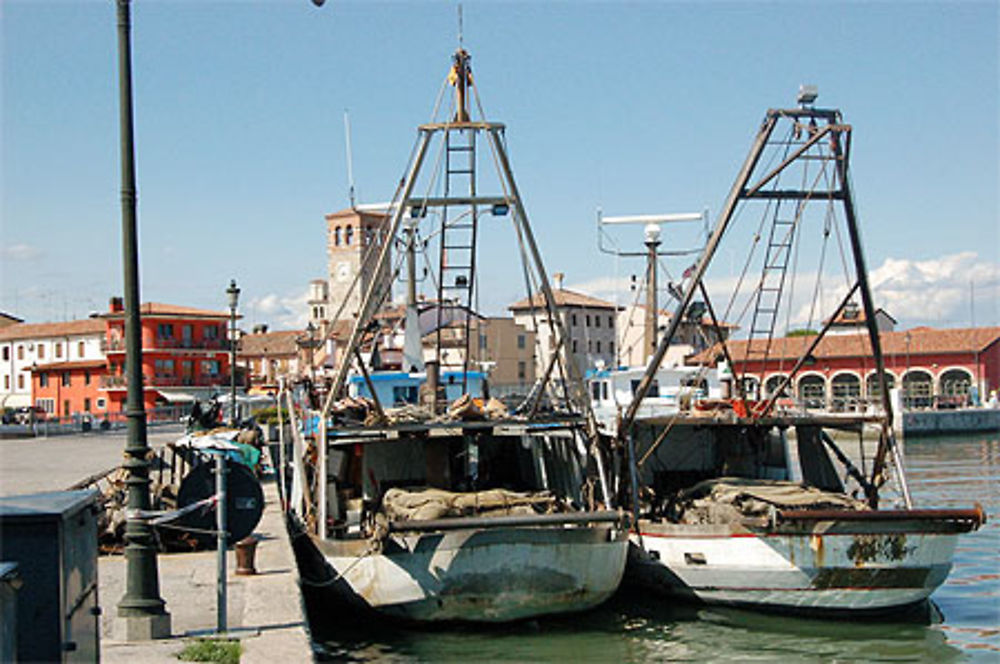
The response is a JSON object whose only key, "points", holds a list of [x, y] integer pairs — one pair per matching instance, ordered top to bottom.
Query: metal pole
{"points": [[652, 313], [232, 365], [282, 452], [220, 526], [142, 585]]}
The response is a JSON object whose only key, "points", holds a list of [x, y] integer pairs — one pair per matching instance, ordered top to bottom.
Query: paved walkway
{"points": [[54, 463], [264, 611]]}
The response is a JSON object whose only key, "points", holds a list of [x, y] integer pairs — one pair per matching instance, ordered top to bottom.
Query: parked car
{"points": [[28, 415]]}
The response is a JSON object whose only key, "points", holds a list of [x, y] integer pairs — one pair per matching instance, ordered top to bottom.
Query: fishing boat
{"points": [[753, 500], [414, 504]]}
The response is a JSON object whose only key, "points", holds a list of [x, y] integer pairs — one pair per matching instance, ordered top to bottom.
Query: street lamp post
{"points": [[234, 297], [142, 610]]}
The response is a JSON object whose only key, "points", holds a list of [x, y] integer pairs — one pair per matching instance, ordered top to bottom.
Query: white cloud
{"points": [[21, 252], [939, 290], [932, 292], [281, 312]]}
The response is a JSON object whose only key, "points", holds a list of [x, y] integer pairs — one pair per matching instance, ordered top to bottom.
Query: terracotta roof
{"points": [[365, 215], [563, 298], [161, 309], [7, 319], [44, 330], [922, 341], [271, 343], [67, 366]]}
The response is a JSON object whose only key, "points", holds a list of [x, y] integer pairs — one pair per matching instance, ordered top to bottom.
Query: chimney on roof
{"points": [[558, 278], [116, 304], [260, 328]]}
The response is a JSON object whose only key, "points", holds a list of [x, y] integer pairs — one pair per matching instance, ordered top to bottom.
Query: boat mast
{"points": [[826, 139], [457, 235]]}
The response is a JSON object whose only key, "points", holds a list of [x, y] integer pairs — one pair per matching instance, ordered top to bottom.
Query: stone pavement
{"points": [[54, 463], [264, 611]]}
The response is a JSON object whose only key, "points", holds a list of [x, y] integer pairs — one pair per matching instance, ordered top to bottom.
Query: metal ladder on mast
{"points": [[457, 260], [767, 302]]}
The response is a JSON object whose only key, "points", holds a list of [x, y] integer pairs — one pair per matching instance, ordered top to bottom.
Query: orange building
{"points": [[185, 354], [69, 388]]}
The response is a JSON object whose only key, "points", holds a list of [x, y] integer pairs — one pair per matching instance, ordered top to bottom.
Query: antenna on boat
{"points": [[461, 76], [350, 159]]}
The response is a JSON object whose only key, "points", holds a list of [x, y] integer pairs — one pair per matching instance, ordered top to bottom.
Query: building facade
{"points": [[354, 239], [589, 324], [692, 336], [25, 347], [185, 354], [269, 356], [933, 368], [68, 389]]}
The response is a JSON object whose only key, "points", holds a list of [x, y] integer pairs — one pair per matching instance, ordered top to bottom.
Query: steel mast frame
{"points": [[461, 122], [839, 135]]}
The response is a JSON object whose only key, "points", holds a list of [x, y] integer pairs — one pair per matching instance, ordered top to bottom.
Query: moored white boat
{"points": [[730, 507], [449, 509]]}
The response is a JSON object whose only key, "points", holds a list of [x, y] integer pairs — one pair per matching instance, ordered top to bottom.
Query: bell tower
{"points": [[354, 237]]}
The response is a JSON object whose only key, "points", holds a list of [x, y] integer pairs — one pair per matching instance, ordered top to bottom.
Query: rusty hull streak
{"points": [[867, 548]]}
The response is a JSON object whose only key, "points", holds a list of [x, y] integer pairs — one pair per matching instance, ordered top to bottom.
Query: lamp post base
{"points": [[142, 628]]}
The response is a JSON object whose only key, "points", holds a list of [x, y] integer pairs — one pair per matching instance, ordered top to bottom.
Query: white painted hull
{"points": [[867, 570], [476, 575]]}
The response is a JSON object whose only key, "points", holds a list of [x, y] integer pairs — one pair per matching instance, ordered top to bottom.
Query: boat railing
{"points": [[518, 521]]}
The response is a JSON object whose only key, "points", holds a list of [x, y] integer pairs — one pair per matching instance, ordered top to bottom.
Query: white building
{"points": [[588, 321], [691, 337], [28, 344]]}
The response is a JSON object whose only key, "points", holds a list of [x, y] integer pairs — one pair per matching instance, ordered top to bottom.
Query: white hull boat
{"points": [[730, 507], [459, 511], [433, 555], [832, 563], [499, 574]]}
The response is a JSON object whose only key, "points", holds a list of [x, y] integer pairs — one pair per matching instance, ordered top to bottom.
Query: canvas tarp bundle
{"points": [[730, 499], [426, 504]]}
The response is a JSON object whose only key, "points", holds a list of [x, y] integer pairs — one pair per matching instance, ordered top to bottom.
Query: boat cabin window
{"points": [[699, 384], [654, 389], [595, 390], [604, 390], [403, 394]]}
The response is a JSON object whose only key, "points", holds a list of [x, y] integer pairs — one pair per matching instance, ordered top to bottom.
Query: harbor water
{"points": [[962, 625]]}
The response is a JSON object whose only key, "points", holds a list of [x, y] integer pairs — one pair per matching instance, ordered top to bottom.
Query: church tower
{"points": [[354, 239]]}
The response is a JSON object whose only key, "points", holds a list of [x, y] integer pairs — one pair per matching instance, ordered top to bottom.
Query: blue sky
{"points": [[633, 107]]}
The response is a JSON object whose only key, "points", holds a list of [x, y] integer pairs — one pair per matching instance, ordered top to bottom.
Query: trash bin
{"points": [[53, 539], [10, 583]]}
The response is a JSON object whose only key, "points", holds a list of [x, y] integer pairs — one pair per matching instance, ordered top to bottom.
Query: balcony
{"points": [[118, 345], [121, 382]]}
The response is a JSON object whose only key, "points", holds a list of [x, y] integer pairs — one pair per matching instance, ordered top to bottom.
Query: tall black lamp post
{"points": [[234, 298], [142, 610]]}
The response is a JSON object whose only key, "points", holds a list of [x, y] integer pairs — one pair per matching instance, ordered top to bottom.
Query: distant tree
{"points": [[805, 332]]}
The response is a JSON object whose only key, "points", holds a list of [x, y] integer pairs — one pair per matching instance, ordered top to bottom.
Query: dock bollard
{"points": [[246, 549]]}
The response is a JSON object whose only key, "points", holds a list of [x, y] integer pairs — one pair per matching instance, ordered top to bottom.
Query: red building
{"points": [[185, 354], [933, 367], [70, 388]]}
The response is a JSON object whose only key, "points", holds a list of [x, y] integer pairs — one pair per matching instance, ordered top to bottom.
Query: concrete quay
{"points": [[265, 610]]}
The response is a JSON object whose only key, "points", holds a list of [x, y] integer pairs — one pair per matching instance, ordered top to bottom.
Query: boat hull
{"points": [[829, 568], [479, 575]]}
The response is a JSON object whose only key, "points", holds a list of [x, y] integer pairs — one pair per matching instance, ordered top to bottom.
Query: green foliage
{"points": [[806, 332], [269, 415], [211, 650]]}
